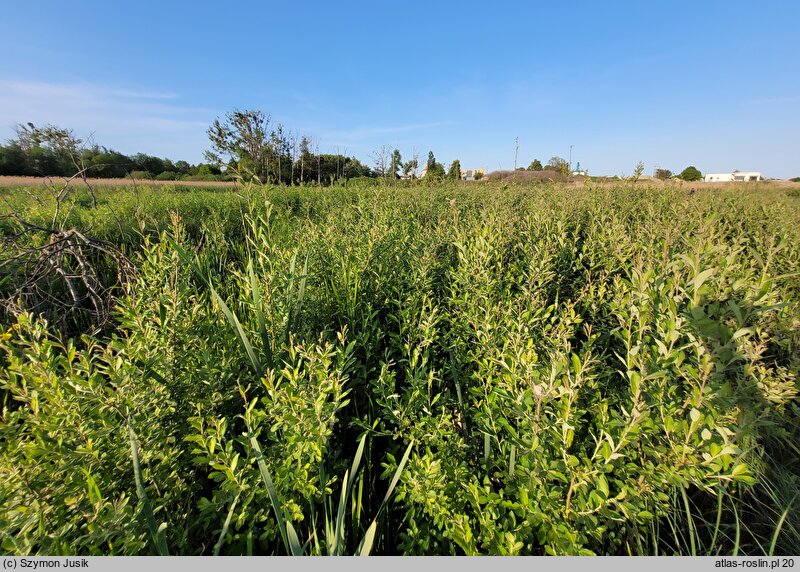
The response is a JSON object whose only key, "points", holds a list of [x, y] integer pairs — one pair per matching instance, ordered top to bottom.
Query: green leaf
{"points": [[700, 279], [742, 332], [576, 364], [740, 469], [602, 485]]}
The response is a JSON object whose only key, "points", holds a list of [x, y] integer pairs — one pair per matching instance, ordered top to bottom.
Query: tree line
{"points": [[247, 142], [244, 143], [241, 145], [52, 151], [554, 164]]}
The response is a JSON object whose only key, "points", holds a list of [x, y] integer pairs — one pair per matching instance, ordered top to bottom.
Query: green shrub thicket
{"points": [[451, 370]]}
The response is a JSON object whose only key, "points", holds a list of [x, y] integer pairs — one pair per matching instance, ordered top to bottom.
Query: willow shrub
{"points": [[442, 370]]}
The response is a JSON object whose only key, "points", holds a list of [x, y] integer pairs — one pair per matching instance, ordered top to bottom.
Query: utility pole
{"points": [[516, 151], [570, 158]]}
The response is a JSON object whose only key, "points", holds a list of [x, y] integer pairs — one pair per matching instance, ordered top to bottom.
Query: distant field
{"points": [[8, 181]]}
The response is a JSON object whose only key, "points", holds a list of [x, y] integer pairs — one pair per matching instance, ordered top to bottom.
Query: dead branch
{"points": [[70, 279]]}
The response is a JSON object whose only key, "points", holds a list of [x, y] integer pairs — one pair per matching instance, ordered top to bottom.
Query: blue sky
{"points": [[710, 83]]}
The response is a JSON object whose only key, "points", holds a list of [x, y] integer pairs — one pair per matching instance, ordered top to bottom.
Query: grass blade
{"points": [[301, 290], [296, 305], [259, 310], [231, 317], [290, 317], [240, 333], [454, 372], [357, 458], [396, 478], [273, 495], [357, 507], [690, 522], [717, 523], [779, 526], [157, 534], [161, 539], [369, 539], [221, 541], [294, 541], [338, 546], [365, 546]]}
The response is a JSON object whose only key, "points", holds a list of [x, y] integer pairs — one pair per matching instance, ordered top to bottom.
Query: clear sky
{"points": [[715, 84]]}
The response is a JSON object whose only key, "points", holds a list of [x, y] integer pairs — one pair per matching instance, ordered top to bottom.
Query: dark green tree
{"points": [[53, 151], [13, 160], [431, 161], [144, 162], [108, 163], [395, 164], [536, 165], [354, 168], [455, 171], [436, 172], [690, 173]]}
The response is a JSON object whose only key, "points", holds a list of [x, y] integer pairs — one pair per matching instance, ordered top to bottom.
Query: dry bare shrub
{"points": [[58, 272], [70, 279]]}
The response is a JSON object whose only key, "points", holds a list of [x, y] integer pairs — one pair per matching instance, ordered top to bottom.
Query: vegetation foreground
{"points": [[463, 369]]}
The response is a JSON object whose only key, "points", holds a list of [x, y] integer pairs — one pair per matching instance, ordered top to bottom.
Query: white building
{"points": [[472, 174], [735, 176]]}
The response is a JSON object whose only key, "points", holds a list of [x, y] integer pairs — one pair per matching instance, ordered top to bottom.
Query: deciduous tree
{"points": [[243, 137], [396, 164], [557, 164], [536, 165], [455, 171], [690, 173]]}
